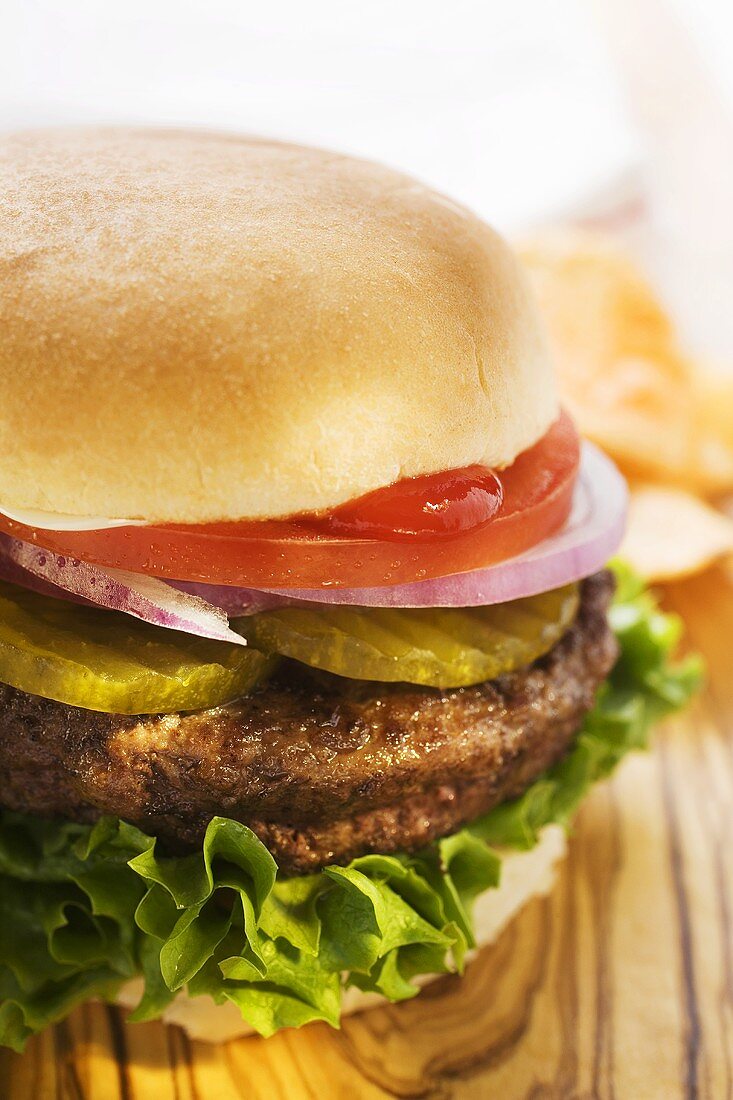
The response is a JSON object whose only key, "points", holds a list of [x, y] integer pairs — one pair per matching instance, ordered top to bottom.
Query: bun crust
{"points": [[198, 327]]}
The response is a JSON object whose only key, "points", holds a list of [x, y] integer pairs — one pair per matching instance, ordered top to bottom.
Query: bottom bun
{"points": [[524, 875]]}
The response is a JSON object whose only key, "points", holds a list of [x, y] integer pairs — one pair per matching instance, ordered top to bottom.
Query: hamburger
{"points": [[308, 647]]}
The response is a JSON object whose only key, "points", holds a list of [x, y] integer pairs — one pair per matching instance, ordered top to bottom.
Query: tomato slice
{"points": [[433, 506], [425, 527]]}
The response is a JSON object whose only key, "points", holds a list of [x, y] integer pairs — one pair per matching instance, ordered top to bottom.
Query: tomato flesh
{"points": [[433, 506], [416, 529]]}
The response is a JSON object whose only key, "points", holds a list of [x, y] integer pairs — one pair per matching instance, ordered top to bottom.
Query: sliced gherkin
{"points": [[440, 647], [109, 661]]}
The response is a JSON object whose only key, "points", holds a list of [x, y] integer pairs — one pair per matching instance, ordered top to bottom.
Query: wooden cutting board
{"points": [[619, 985]]}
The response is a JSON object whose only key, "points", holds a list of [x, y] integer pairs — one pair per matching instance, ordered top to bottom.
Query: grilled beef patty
{"points": [[322, 768]]}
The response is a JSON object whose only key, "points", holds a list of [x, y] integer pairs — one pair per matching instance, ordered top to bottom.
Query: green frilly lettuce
{"points": [[85, 908]]}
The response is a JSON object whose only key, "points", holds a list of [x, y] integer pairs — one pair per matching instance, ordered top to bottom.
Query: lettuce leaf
{"points": [[85, 908]]}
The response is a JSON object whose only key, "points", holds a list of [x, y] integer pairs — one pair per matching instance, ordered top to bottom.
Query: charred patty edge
{"points": [[321, 769]]}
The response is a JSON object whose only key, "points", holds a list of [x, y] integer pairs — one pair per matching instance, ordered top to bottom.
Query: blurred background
{"points": [[600, 132]]}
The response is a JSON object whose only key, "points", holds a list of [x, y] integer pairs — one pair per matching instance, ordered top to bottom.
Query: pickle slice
{"points": [[440, 647], [109, 661]]}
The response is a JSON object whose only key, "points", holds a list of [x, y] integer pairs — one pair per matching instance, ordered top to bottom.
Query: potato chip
{"points": [[622, 374], [716, 398], [672, 534]]}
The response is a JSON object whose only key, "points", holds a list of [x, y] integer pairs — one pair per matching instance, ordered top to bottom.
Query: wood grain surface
{"points": [[619, 985]]}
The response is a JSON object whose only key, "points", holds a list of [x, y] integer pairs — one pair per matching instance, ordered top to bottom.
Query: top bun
{"points": [[200, 327]]}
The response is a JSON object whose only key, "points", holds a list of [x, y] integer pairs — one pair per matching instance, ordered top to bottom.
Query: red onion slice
{"points": [[590, 537], [16, 574], [144, 597], [234, 601]]}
